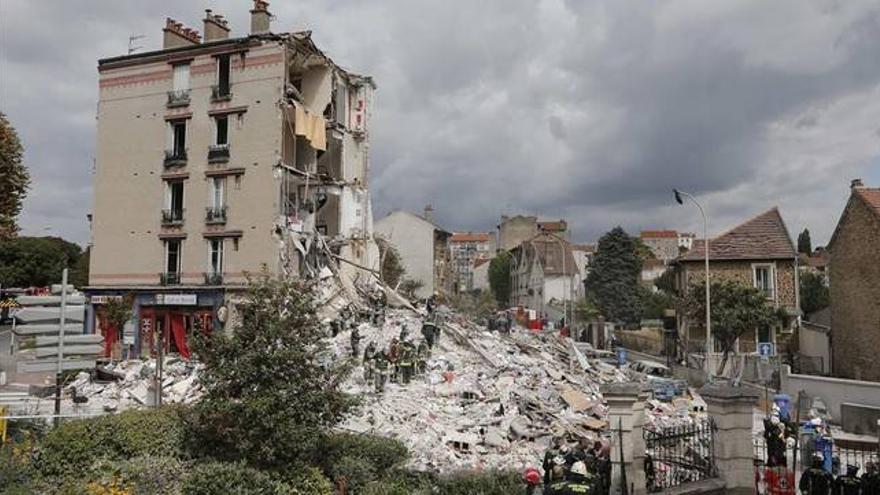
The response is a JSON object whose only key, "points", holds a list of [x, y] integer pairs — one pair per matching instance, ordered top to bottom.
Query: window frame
{"points": [[227, 58], [178, 67], [217, 119], [172, 136], [221, 180], [169, 194], [168, 243], [220, 253], [771, 274]]}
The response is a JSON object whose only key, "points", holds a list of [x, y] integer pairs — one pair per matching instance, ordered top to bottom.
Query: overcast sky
{"points": [[588, 110]]}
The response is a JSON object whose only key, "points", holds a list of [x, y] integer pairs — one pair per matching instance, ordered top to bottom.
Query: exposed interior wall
{"points": [[317, 86]]}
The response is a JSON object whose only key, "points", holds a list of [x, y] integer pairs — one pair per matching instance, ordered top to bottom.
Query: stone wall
{"points": [[854, 275]]}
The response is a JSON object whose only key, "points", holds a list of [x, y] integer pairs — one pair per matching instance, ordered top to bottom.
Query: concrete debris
{"points": [[132, 386], [486, 399]]}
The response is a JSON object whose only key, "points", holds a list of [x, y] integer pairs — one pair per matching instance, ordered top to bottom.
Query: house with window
{"points": [[220, 156], [465, 249], [758, 252], [543, 269], [854, 276]]}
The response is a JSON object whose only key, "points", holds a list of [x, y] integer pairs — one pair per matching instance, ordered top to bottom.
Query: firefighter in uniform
{"points": [[407, 356], [381, 374], [815, 480], [848, 484]]}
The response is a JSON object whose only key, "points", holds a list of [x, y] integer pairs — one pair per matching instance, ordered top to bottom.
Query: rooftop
{"points": [[659, 234], [470, 237], [762, 237], [554, 253]]}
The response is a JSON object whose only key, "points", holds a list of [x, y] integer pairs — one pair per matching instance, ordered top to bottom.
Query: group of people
{"points": [[401, 360], [585, 468], [817, 481]]}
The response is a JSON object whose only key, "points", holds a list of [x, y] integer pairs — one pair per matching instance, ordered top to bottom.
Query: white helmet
{"points": [[774, 420], [816, 421], [559, 460], [579, 468]]}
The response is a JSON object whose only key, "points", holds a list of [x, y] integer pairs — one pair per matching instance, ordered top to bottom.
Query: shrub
{"points": [[75, 446], [382, 453], [354, 472], [146, 475], [212, 478], [309, 481], [479, 483]]}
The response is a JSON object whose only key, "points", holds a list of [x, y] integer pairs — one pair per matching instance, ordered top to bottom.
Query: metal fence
{"points": [[680, 454], [842, 454]]}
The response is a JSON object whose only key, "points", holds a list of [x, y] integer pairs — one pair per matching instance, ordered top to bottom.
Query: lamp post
{"points": [[678, 198]]}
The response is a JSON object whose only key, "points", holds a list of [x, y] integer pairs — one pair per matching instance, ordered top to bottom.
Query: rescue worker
{"points": [[404, 333], [428, 333], [355, 343], [369, 351], [407, 357], [422, 357], [394, 359], [369, 363], [381, 374], [774, 434], [549, 455], [532, 478], [871, 479], [815, 480], [557, 481], [580, 481], [848, 484]]}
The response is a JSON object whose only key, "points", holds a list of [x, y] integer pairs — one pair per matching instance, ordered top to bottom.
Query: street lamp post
{"points": [[678, 197]]}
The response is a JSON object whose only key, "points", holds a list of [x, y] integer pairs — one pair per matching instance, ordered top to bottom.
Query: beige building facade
{"points": [[221, 157]]}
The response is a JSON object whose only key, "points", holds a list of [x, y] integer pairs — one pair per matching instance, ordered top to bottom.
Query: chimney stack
{"points": [[260, 17], [216, 27], [175, 35], [855, 183], [429, 213]]}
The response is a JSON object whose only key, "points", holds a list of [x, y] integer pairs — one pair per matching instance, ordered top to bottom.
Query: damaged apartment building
{"points": [[218, 157]]}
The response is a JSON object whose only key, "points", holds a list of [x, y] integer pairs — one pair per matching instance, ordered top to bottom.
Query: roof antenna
{"points": [[131, 40]]}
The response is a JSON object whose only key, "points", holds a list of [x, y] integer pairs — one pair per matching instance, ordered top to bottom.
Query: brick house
{"points": [[759, 252], [854, 275]]}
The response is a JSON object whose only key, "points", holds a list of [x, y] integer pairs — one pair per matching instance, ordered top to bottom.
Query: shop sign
{"points": [[104, 299], [176, 299], [128, 333]]}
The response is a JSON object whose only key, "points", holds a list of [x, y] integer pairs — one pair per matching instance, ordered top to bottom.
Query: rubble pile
{"points": [[129, 384], [486, 400]]}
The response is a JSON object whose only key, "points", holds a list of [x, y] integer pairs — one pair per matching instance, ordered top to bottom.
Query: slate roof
{"points": [[759, 238], [550, 250]]}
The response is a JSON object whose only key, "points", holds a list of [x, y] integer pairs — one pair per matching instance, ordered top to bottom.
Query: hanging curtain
{"points": [[178, 332]]}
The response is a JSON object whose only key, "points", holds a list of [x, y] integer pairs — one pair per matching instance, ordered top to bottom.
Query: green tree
{"points": [[14, 179], [804, 244], [35, 261], [391, 268], [79, 273], [499, 278], [613, 281], [666, 282], [814, 292], [656, 304], [736, 309], [272, 391]]}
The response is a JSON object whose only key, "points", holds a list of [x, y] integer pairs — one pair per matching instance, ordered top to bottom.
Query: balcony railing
{"points": [[220, 93], [178, 98], [218, 153], [174, 158], [215, 215], [172, 217], [169, 278], [213, 278]]}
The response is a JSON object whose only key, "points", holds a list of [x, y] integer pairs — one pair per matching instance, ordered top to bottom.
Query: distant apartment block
{"points": [[216, 157], [512, 231], [465, 249]]}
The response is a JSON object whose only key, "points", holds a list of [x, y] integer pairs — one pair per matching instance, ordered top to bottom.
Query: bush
{"points": [[75, 446], [383, 454], [353, 472], [146, 475], [212, 478], [309, 481], [479, 483]]}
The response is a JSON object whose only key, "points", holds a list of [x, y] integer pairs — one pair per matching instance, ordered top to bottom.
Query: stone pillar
{"points": [[732, 409], [626, 415]]}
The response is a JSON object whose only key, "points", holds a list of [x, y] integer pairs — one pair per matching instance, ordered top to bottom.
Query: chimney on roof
{"points": [[260, 17], [216, 27], [175, 34], [856, 183], [429, 213]]}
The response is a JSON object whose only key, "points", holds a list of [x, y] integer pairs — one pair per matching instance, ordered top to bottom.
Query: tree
{"points": [[14, 179], [804, 244], [35, 261], [391, 268], [79, 274], [499, 278], [613, 281], [666, 282], [814, 292], [656, 304], [736, 309], [272, 390]]}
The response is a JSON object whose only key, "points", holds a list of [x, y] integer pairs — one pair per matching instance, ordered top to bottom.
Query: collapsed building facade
{"points": [[218, 157]]}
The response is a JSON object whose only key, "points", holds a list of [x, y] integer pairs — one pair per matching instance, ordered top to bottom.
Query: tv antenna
{"points": [[131, 40]]}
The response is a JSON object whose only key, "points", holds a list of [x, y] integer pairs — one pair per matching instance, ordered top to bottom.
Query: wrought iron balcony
{"points": [[220, 93], [178, 98], [218, 153], [174, 158], [215, 215], [172, 217], [169, 278], [213, 278]]}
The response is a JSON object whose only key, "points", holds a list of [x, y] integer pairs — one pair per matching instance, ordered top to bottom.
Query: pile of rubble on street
{"points": [[129, 384], [486, 399]]}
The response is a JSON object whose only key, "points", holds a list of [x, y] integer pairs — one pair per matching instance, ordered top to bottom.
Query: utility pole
{"points": [[60, 346]]}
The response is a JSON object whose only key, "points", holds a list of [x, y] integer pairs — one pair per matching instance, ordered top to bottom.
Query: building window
{"points": [[181, 77], [221, 90], [221, 134], [178, 138], [218, 192], [174, 195], [216, 256], [172, 257], [764, 279]]}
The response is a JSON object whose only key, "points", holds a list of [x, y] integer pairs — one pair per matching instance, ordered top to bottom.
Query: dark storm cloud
{"points": [[588, 110]]}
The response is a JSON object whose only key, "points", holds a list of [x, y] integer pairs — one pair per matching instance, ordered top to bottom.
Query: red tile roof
{"points": [[559, 226], [664, 234], [470, 237], [762, 237]]}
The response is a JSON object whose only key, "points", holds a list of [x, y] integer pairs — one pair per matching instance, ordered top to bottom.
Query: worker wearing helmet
{"points": [[532, 479], [871, 479], [815, 480], [580, 481], [558, 482], [848, 484]]}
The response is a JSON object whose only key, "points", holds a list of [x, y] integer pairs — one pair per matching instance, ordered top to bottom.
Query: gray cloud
{"points": [[588, 110]]}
